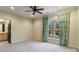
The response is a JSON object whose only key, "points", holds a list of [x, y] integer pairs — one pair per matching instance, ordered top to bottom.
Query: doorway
{"points": [[5, 30], [59, 30], [53, 32]]}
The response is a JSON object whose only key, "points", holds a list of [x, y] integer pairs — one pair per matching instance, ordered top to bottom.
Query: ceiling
{"points": [[20, 10]]}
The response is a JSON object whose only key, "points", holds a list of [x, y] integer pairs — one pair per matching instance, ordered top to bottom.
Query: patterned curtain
{"points": [[64, 23], [45, 29]]}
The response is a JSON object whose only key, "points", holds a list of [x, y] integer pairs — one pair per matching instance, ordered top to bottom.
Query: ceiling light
{"points": [[12, 8], [1, 20]]}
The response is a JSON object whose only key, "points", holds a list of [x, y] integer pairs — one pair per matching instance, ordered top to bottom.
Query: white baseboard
{"points": [[37, 40], [17, 41], [73, 46]]}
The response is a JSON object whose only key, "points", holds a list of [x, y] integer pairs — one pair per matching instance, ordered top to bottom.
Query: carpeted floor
{"points": [[33, 46]]}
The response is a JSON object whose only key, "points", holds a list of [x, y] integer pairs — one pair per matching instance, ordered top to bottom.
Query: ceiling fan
{"points": [[35, 9]]}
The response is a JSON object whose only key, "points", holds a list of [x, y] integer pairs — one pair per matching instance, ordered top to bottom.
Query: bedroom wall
{"points": [[21, 28], [73, 28], [37, 29], [78, 30]]}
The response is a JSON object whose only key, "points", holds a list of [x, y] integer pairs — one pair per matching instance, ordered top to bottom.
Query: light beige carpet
{"points": [[33, 46]]}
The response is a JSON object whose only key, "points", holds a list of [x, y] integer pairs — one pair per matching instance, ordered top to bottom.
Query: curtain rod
{"points": [[62, 12]]}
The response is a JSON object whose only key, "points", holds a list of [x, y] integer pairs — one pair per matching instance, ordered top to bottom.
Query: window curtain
{"points": [[64, 23], [45, 29]]}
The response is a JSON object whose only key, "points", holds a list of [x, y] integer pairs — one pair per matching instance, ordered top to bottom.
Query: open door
{"points": [[9, 32]]}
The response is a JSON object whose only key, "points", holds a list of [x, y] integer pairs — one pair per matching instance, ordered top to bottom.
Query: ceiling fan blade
{"points": [[31, 7], [34, 7], [41, 9], [28, 10], [33, 12], [40, 12]]}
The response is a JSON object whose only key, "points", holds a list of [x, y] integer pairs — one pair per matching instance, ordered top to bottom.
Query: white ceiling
{"points": [[20, 10]]}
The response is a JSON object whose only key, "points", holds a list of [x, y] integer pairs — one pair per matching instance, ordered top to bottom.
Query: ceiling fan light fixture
{"points": [[12, 8], [35, 9]]}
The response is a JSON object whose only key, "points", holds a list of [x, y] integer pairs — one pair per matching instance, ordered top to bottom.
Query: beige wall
{"points": [[21, 28], [73, 28], [37, 29], [78, 30]]}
